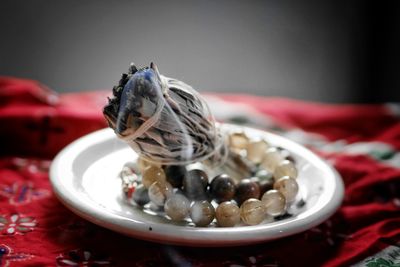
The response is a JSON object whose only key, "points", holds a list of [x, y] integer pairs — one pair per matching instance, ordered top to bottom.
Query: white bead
{"points": [[238, 141], [256, 151], [272, 158], [285, 168], [288, 187], [159, 192], [274, 203], [177, 207]]}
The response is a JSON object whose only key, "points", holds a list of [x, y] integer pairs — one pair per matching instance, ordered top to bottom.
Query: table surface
{"points": [[361, 141]]}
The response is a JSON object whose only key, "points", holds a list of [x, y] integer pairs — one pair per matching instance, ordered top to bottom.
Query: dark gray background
{"points": [[316, 50]]}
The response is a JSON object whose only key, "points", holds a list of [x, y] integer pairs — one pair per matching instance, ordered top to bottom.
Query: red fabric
{"points": [[349, 122], [36, 230]]}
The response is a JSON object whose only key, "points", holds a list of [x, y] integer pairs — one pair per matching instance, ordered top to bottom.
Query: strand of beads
{"points": [[189, 195]]}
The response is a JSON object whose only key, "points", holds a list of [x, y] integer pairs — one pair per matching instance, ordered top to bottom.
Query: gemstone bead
{"points": [[238, 141], [256, 151], [272, 158], [143, 164], [285, 168], [152, 174], [175, 174], [196, 175], [195, 184], [264, 185], [288, 187], [222, 188], [246, 189], [159, 192], [141, 195], [274, 203], [177, 207], [252, 211], [202, 213], [227, 214]]}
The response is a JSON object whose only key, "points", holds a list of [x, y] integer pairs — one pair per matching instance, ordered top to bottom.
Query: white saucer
{"points": [[84, 178]]}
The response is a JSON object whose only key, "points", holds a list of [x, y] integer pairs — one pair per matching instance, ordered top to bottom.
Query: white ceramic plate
{"points": [[84, 178]]}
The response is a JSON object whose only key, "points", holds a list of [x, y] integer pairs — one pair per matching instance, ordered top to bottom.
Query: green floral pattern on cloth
{"points": [[388, 257]]}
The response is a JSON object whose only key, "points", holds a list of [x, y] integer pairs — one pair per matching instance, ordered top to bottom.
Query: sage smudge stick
{"points": [[163, 119]]}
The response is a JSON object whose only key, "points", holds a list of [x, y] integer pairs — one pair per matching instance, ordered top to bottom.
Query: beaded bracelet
{"points": [[184, 194]]}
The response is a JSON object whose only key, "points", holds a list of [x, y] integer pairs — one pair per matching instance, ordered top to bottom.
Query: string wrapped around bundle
{"points": [[163, 119]]}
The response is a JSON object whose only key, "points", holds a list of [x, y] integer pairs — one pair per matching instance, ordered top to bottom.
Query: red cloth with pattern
{"points": [[36, 230]]}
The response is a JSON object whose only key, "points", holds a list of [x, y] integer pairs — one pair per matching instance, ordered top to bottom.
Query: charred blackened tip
{"points": [[154, 67], [132, 68], [109, 112], [110, 121]]}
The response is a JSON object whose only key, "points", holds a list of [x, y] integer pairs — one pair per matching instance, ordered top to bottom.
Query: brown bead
{"points": [[152, 174], [175, 174], [196, 175], [266, 180], [195, 184], [264, 185], [288, 187], [222, 188], [246, 189], [252, 211], [202, 213], [227, 214]]}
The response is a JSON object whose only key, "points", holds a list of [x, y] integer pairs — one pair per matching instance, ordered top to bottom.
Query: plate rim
{"points": [[193, 236]]}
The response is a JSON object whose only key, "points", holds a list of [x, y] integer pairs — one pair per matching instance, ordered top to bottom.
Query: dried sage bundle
{"points": [[163, 119]]}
